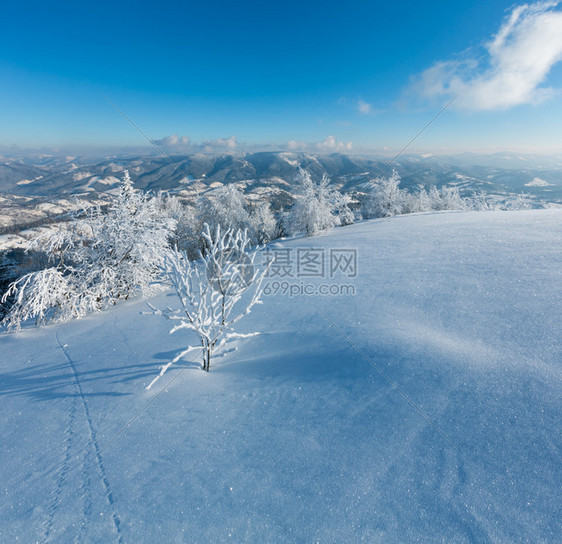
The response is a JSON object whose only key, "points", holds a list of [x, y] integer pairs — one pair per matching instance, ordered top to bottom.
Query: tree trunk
{"points": [[207, 358]]}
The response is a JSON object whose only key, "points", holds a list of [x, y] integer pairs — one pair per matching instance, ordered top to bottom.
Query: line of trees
{"points": [[385, 198], [102, 256]]}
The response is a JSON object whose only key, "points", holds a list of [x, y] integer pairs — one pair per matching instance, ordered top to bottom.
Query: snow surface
{"points": [[296, 437]]}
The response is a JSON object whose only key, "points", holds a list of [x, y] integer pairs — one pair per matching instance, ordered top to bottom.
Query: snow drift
{"points": [[299, 435]]}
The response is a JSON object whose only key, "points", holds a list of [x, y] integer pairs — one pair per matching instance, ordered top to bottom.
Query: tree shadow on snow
{"points": [[191, 361], [43, 382]]}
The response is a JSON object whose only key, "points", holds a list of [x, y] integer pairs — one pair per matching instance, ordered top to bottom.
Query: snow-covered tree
{"points": [[385, 198], [448, 198], [451, 199], [417, 201], [422, 201], [480, 201], [520, 201], [484, 202], [225, 207], [314, 210], [344, 213], [189, 223], [263, 223], [57, 245], [125, 250], [98, 259], [214, 292]]}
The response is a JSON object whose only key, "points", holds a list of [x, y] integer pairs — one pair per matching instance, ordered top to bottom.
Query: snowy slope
{"points": [[296, 436]]}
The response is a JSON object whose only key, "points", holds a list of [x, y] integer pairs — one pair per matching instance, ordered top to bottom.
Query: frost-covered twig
{"points": [[165, 367]]}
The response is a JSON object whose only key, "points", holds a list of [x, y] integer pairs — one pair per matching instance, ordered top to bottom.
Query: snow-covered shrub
{"points": [[385, 198], [451, 199], [422, 200], [435, 200], [480, 201], [520, 201], [415, 202], [483, 202], [225, 207], [315, 207], [344, 213], [189, 223], [263, 223], [58, 245], [16, 263], [215, 292], [50, 293], [44, 295]]}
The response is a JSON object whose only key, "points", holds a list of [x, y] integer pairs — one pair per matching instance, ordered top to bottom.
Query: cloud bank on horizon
{"points": [[515, 63], [183, 144]]}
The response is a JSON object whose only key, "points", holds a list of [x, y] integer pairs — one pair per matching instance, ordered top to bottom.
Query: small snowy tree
{"points": [[385, 197], [448, 198], [435, 199], [451, 199], [417, 201], [480, 201], [520, 201], [423, 202], [225, 207], [314, 210], [344, 213], [263, 223], [187, 235], [214, 292]]}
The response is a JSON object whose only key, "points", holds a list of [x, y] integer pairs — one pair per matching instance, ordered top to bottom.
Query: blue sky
{"points": [[352, 76]]}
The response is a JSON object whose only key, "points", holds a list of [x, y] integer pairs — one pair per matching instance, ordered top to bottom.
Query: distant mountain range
{"points": [[49, 182]]}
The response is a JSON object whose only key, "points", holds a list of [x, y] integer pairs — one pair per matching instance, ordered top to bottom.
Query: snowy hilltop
{"points": [[37, 190], [405, 387]]}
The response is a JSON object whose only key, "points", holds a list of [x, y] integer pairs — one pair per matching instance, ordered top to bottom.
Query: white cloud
{"points": [[516, 62], [359, 105], [364, 107], [173, 140], [221, 143], [184, 144], [293, 145], [329, 145]]}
